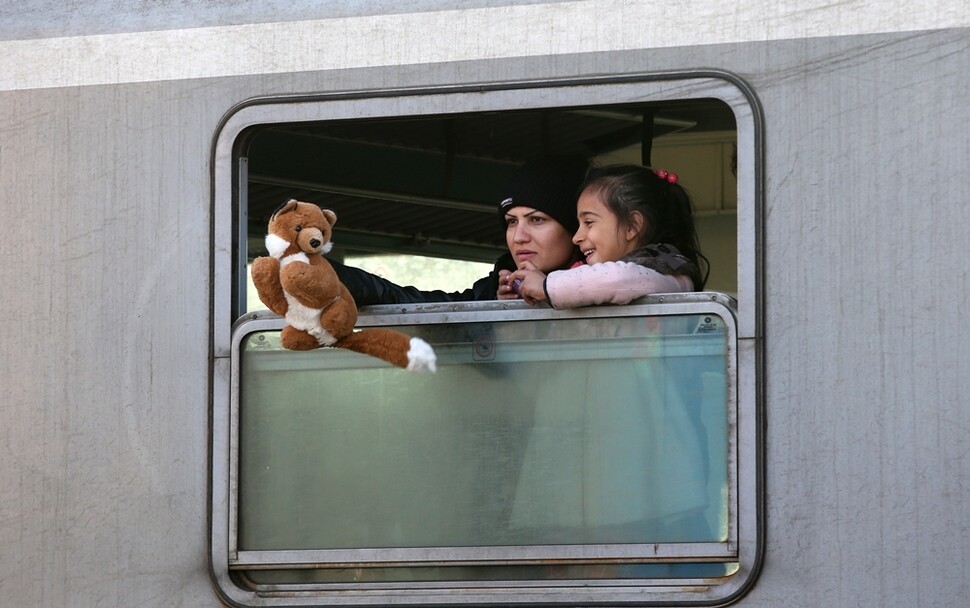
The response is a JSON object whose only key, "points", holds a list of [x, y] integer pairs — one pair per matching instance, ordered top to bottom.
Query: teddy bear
{"points": [[298, 283]]}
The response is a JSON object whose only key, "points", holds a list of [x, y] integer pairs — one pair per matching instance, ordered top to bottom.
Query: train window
{"points": [[598, 455]]}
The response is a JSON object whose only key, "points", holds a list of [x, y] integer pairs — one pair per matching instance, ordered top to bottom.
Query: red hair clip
{"points": [[669, 176]]}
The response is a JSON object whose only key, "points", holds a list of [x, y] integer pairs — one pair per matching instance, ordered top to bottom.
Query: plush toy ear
{"points": [[289, 205], [330, 215]]}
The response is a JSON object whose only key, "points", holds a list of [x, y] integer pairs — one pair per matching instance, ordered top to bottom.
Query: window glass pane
{"points": [[565, 431]]}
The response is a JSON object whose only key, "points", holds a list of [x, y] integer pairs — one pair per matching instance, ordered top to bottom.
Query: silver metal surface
{"points": [[116, 241]]}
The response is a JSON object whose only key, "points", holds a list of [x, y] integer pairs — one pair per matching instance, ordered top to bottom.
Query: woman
{"points": [[539, 215]]}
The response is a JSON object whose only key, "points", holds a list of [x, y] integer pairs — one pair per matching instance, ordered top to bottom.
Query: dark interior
{"points": [[430, 185]]}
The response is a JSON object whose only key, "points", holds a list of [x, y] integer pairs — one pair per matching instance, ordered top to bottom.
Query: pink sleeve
{"points": [[609, 283]]}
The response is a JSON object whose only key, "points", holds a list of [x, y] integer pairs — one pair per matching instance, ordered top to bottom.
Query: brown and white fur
{"points": [[299, 284]]}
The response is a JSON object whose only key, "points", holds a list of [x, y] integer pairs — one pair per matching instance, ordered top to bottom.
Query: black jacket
{"points": [[370, 289]]}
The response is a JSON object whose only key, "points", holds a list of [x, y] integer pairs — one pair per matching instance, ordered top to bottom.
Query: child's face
{"points": [[535, 237], [601, 237]]}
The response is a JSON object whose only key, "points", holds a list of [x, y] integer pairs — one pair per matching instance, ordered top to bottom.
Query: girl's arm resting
{"points": [[609, 283]]}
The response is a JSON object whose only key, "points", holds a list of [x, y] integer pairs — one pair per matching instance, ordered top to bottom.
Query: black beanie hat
{"points": [[549, 184]]}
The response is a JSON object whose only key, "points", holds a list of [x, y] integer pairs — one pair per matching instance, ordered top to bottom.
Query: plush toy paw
{"points": [[296, 339], [421, 357]]}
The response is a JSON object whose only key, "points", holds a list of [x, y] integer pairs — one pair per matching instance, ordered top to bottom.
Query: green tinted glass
{"points": [[552, 432]]}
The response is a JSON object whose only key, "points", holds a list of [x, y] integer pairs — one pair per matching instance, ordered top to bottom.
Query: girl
{"points": [[636, 231], [608, 433]]}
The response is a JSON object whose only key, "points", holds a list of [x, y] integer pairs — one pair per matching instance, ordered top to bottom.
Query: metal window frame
{"points": [[747, 486]]}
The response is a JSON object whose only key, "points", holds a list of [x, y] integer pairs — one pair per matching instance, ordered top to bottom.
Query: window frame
{"points": [[229, 204], [459, 313]]}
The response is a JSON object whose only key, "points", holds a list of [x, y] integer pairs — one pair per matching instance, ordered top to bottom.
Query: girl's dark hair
{"points": [[666, 208]]}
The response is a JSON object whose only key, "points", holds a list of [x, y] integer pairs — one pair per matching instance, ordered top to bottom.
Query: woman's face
{"points": [[535, 237], [601, 237]]}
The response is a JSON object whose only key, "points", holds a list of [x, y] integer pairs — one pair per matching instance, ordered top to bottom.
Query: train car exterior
{"points": [[131, 140]]}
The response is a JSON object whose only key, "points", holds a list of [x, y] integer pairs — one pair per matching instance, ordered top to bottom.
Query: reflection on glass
{"points": [[567, 431]]}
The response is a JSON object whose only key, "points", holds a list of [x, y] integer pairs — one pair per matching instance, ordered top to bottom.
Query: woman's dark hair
{"points": [[666, 208]]}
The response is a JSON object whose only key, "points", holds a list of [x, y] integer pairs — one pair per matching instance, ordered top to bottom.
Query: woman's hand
{"points": [[533, 283], [505, 291]]}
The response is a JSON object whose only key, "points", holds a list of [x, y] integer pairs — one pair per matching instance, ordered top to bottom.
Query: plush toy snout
{"points": [[310, 240], [314, 240]]}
